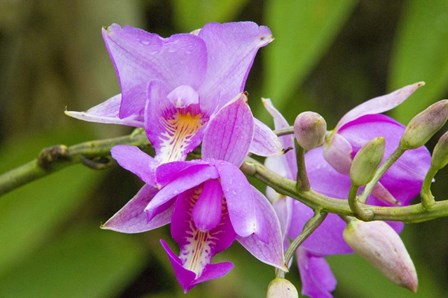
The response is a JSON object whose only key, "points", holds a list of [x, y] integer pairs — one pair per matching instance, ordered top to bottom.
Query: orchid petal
{"points": [[231, 50], [140, 57], [379, 104], [107, 112], [172, 131], [229, 132], [265, 141], [287, 141], [338, 153], [136, 161], [168, 172], [184, 181], [240, 199], [132, 218], [267, 243], [184, 276], [317, 279]]}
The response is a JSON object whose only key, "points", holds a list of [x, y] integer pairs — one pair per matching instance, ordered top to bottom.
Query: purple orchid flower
{"points": [[172, 86], [328, 172], [209, 202]]}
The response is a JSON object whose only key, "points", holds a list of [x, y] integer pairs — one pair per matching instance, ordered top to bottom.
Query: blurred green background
{"points": [[328, 56]]}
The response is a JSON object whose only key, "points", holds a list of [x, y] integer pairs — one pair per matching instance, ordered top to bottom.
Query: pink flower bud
{"points": [[423, 126], [309, 130], [366, 161], [379, 244], [281, 288]]}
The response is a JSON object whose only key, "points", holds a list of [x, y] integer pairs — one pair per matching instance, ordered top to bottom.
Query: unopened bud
{"points": [[423, 126], [309, 130], [440, 153], [366, 161], [379, 244], [281, 288]]}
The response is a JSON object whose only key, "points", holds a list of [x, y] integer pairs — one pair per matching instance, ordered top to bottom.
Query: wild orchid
{"points": [[172, 86], [328, 170], [327, 192], [210, 201]]}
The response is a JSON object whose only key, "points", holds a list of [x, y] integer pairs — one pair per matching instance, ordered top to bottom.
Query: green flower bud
{"points": [[423, 126], [309, 130], [440, 153], [366, 161], [380, 245], [281, 288]]}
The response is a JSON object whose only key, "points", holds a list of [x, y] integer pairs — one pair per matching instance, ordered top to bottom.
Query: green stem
{"points": [[58, 157], [55, 158], [380, 172], [302, 183], [426, 194], [352, 200], [310, 226]]}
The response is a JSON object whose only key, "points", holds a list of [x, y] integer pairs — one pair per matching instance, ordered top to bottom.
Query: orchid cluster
{"points": [[187, 93]]}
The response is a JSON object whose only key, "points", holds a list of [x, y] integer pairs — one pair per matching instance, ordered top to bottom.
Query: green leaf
{"points": [[193, 14], [303, 30], [421, 54], [30, 214], [85, 262]]}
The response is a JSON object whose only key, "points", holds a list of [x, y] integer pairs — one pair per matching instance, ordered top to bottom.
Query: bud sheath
{"points": [[423, 126], [309, 130], [440, 153], [366, 161], [379, 244], [281, 288]]}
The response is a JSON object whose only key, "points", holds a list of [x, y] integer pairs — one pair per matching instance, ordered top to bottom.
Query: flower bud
{"points": [[423, 126], [309, 130], [440, 153], [366, 161], [379, 244], [281, 288]]}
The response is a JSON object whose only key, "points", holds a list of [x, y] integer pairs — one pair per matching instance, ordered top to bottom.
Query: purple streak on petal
{"points": [[231, 50], [140, 57], [379, 104], [107, 112], [229, 132], [265, 141], [286, 141], [339, 153], [136, 161], [168, 172], [404, 179], [184, 181], [239, 197], [208, 208], [132, 217], [267, 243], [184, 276], [317, 279]]}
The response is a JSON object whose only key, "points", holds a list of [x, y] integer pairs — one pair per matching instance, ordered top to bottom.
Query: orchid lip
{"points": [[179, 132]]}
